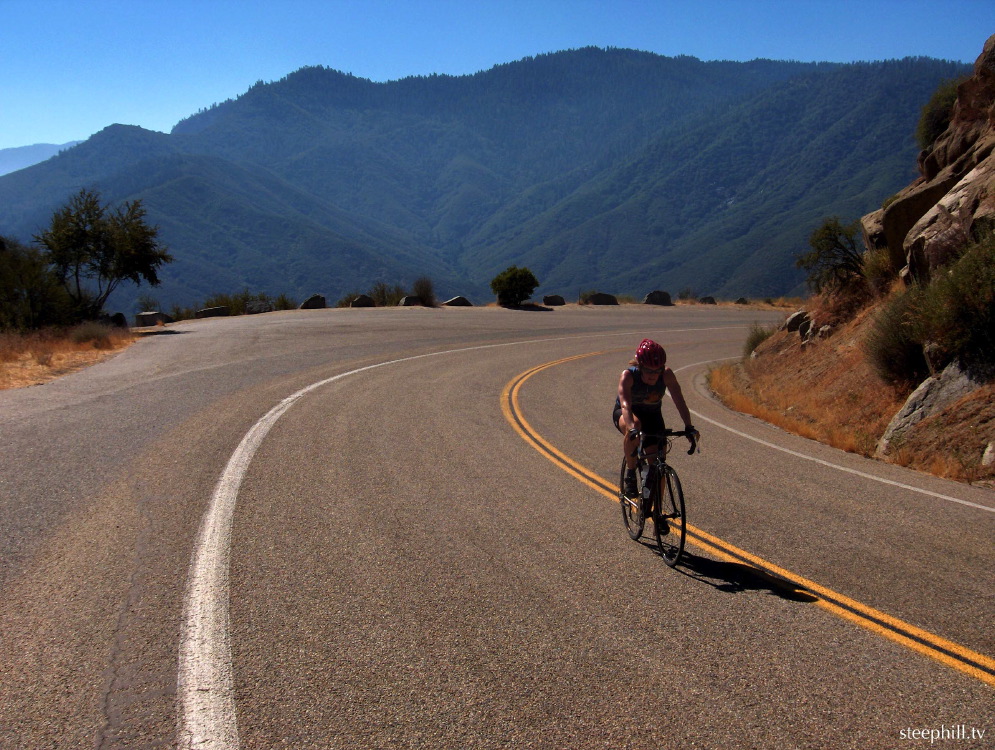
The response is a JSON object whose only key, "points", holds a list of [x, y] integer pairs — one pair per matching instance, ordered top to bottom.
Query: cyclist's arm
{"points": [[674, 388], [625, 399]]}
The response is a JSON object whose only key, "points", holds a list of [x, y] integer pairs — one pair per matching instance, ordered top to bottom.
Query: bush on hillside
{"points": [[935, 116], [879, 271], [957, 311], [954, 317], [756, 336], [892, 344]]}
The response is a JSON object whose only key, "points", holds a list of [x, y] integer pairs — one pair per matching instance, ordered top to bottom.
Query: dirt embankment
{"points": [[827, 390]]}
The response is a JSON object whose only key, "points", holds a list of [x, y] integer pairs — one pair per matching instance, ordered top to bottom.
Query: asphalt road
{"points": [[407, 571]]}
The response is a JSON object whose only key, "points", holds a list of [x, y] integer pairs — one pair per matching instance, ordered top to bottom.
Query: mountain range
{"points": [[12, 159], [605, 169]]}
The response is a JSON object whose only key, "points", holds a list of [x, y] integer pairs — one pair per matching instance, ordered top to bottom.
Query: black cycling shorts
{"points": [[651, 420]]}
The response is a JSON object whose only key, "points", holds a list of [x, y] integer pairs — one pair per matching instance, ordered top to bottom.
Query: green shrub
{"points": [[935, 115], [879, 270], [584, 298], [285, 302], [957, 310], [756, 336], [893, 345]]}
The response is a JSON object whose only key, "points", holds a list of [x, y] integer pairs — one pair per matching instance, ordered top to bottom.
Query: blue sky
{"points": [[72, 67]]}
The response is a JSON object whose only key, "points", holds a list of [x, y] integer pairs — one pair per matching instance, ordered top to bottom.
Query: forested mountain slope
{"points": [[609, 169]]}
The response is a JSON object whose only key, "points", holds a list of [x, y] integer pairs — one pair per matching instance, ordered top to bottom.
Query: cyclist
{"points": [[639, 405]]}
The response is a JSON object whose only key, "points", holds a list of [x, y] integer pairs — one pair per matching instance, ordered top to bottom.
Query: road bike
{"points": [[659, 495]]}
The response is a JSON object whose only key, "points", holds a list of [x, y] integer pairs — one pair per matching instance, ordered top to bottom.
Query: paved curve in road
{"points": [[406, 571]]}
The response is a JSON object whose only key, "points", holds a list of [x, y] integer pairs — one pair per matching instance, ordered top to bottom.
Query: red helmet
{"points": [[650, 354]]}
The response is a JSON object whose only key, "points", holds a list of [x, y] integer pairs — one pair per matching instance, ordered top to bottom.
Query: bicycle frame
{"points": [[661, 497]]}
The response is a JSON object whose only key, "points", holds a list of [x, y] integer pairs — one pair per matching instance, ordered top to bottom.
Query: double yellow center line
{"points": [[952, 654]]}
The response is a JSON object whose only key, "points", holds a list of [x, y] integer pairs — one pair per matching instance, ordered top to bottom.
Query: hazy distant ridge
{"points": [[12, 159]]}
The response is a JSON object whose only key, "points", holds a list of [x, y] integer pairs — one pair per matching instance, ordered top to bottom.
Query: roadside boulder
{"points": [[657, 297], [601, 298], [363, 300], [553, 300], [410, 301], [707, 301], [742, 301], [314, 302], [458, 302], [255, 307], [221, 311], [146, 319], [117, 320]]}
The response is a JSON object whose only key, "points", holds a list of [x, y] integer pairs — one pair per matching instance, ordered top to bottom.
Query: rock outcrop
{"points": [[929, 223], [658, 297], [602, 298], [930, 397]]}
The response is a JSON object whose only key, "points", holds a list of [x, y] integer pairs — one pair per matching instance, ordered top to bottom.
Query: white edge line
{"points": [[829, 464]]}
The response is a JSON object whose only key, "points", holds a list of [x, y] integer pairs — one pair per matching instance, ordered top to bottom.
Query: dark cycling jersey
{"points": [[644, 397]]}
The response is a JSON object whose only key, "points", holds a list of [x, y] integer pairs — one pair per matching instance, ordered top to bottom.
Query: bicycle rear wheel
{"points": [[632, 507], [668, 518]]}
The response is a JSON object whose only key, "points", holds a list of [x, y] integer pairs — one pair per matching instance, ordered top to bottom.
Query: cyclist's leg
{"points": [[652, 421], [629, 445]]}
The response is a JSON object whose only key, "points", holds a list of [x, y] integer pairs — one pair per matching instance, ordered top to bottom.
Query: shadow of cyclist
{"points": [[735, 578]]}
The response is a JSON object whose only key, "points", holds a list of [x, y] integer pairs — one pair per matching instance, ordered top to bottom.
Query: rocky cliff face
{"points": [[930, 222]]}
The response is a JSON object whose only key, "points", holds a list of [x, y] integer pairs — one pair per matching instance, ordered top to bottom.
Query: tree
{"points": [[93, 249], [835, 260], [514, 285], [30, 294]]}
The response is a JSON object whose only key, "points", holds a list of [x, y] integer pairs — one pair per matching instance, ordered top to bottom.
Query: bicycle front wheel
{"points": [[632, 507], [669, 520]]}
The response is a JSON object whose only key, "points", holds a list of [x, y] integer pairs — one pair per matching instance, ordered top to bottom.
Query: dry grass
{"points": [[40, 356], [825, 391], [828, 391], [950, 443]]}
